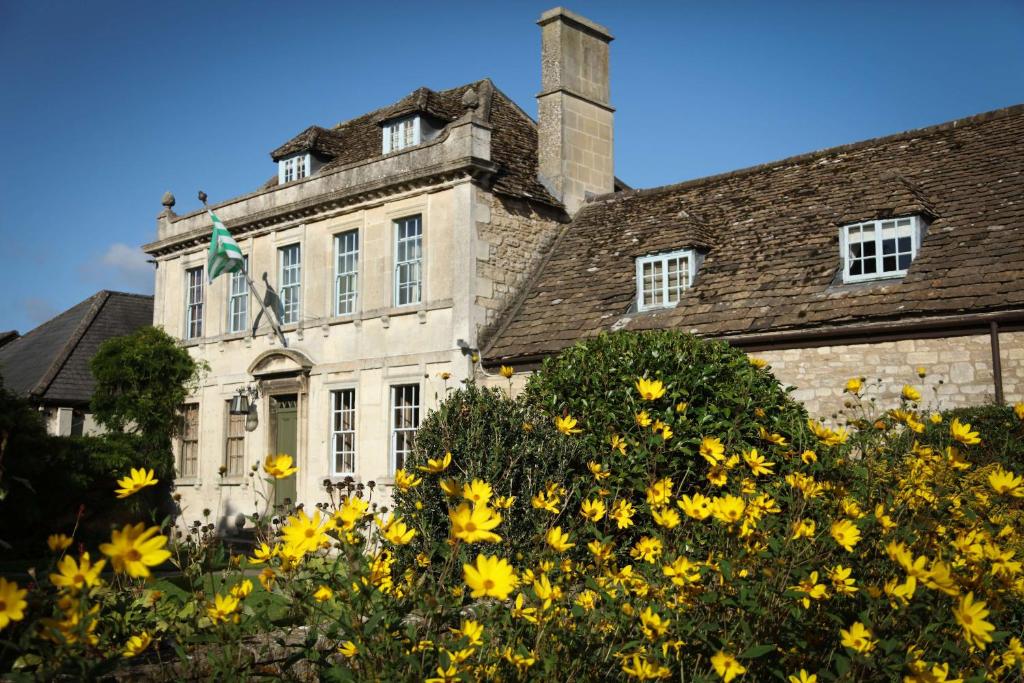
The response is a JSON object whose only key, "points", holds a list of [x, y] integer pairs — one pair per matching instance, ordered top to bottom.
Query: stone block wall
{"points": [[512, 236]]}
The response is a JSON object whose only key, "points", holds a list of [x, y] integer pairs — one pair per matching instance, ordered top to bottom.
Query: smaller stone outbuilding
{"points": [[50, 364]]}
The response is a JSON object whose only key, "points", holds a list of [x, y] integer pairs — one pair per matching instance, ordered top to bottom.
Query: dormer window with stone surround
{"points": [[401, 133], [293, 168], [874, 250], [661, 279]]}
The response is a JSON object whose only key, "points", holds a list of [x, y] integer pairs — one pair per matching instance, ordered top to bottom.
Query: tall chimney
{"points": [[575, 117]]}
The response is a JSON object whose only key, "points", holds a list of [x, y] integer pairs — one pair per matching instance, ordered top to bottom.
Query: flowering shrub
{"points": [[732, 541]]}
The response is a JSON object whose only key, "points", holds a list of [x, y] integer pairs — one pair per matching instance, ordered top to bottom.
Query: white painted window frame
{"points": [[399, 129], [294, 168], [844, 252], [346, 254], [692, 262], [404, 267], [286, 284], [195, 289], [238, 294], [335, 411], [393, 420], [229, 438]]}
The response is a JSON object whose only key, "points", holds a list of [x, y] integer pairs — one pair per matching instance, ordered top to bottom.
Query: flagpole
{"points": [[252, 287]]}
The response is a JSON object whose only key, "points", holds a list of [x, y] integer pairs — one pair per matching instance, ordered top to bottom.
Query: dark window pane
{"points": [[905, 244], [888, 246], [869, 248], [904, 261], [888, 264], [870, 266], [855, 267]]}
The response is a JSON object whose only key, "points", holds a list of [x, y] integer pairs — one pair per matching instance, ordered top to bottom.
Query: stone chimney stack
{"points": [[574, 113]]}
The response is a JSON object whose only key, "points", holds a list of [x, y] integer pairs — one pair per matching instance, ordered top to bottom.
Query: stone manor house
{"points": [[449, 233]]}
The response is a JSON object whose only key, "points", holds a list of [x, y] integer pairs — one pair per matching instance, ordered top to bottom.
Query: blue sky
{"points": [[105, 105]]}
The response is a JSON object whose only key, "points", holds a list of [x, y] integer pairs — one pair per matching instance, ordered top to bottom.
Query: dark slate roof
{"points": [[513, 136], [771, 235], [50, 364]]}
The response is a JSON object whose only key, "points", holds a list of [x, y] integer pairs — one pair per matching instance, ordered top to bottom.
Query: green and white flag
{"points": [[225, 256]]}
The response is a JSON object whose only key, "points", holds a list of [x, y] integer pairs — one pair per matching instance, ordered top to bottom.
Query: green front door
{"points": [[284, 414]]}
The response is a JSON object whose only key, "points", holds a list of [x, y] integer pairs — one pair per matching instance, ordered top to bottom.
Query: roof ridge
{"points": [[983, 117], [336, 126], [69, 346]]}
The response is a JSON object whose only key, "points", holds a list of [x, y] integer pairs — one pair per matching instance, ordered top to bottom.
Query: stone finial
{"points": [[470, 100], [168, 200]]}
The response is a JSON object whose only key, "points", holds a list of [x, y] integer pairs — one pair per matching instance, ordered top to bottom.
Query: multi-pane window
{"points": [[401, 133], [295, 168], [879, 249], [290, 260], [408, 261], [346, 272], [662, 279], [238, 299], [194, 303], [405, 420], [343, 431], [234, 443], [188, 456]]}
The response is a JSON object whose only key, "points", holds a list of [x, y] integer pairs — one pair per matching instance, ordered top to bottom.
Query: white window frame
{"points": [[402, 133], [294, 168], [878, 226], [692, 262], [346, 265], [406, 268], [289, 283], [238, 299], [194, 302], [343, 401], [395, 419], [238, 437]]}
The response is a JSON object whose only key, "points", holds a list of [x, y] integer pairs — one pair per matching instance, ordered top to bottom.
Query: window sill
{"points": [[233, 481], [193, 482]]}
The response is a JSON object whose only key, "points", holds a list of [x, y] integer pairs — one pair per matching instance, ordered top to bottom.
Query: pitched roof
{"points": [[513, 136], [771, 234], [7, 337], [50, 364]]}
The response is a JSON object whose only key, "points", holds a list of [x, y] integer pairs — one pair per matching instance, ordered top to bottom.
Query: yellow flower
{"points": [[759, 363], [506, 371], [854, 385], [650, 390], [910, 393], [1018, 410], [935, 418], [642, 419], [567, 425], [962, 433], [827, 436], [771, 437], [618, 444], [712, 449], [809, 457], [757, 463], [279, 466], [436, 466], [600, 474], [138, 480], [405, 481], [1006, 482], [450, 488], [477, 492], [659, 492], [545, 501], [504, 502], [697, 506], [728, 509], [593, 510], [351, 512], [622, 513], [665, 516], [884, 520], [474, 524], [803, 528], [396, 531], [304, 534], [845, 534], [558, 541], [58, 542], [134, 549], [647, 549], [602, 551], [263, 553], [682, 571], [77, 575], [491, 576], [267, 577], [842, 582], [242, 589], [811, 589], [323, 594], [12, 602], [223, 607], [520, 612], [970, 614], [652, 624], [472, 631], [858, 638], [136, 645], [348, 649], [521, 662], [727, 666], [641, 668], [803, 677]]}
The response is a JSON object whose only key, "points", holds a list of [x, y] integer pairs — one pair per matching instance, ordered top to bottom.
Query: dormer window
{"points": [[401, 133], [293, 168], [879, 249], [661, 279]]}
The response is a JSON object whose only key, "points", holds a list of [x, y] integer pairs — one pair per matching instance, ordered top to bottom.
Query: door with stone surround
{"points": [[284, 418]]}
